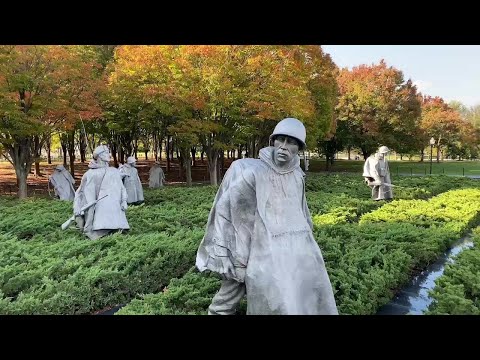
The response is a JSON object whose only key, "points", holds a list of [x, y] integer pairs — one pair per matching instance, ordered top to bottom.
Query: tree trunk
{"points": [[48, 143], [155, 146], [83, 148], [113, 148], [135, 148], [160, 148], [349, 149], [38, 151], [64, 151], [71, 151], [194, 151], [167, 152], [83, 154], [146, 154], [365, 154], [422, 154], [120, 155], [201, 155], [20, 157], [186, 162], [212, 163], [221, 167], [180, 168], [37, 169], [189, 172], [21, 173]]}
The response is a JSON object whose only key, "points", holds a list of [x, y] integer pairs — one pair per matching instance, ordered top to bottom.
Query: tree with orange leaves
{"points": [[34, 81], [223, 96], [379, 108], [446, 126]]}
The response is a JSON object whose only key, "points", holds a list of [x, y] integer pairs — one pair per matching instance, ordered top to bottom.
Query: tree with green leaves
{"points": [[28, 84], [380, 108], [442, 123]]}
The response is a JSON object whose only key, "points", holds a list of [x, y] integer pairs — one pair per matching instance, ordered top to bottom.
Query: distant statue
{"points": [[377, 175], [157, 176], [62, 182], [132, 182], [101, 183], [259, 235]]}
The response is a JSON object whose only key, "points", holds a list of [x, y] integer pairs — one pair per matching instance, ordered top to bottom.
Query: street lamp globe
{"points": [[432, 141]]}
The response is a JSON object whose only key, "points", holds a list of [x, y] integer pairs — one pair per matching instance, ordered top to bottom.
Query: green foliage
{"points": [[435, 212], [366, 262], [44, 270], [47, 271], [457, 291]]}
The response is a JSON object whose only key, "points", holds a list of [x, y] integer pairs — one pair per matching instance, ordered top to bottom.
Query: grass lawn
{"points": [[449, 167]]}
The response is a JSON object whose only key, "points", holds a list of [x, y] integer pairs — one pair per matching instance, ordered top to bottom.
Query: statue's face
{"points": [[286, 148], [105, 156], [381, 156]]}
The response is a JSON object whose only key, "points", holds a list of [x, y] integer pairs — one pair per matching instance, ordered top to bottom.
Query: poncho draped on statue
{"points": [[157, 177], [62, 182], [132, 183], [107, 215], [260, 219]]}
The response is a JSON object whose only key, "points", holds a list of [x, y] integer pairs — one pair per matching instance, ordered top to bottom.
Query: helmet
{"points": [[291, 127], [100, 149], [383, 149], [131, 160]]}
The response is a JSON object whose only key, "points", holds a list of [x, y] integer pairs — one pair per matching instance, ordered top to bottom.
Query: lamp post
{"points": [[432, 142]]}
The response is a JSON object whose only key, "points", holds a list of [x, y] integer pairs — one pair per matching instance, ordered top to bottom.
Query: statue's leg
{"points": [[381, 192], [80, 221], [97, 234], [226, 301]]}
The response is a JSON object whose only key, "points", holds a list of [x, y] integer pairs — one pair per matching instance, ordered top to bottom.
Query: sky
{"points": [[449, 71]]}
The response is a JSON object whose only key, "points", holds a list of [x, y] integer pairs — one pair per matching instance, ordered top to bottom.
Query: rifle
{"points": [[85, 134], [377, 183], [67, 223]]}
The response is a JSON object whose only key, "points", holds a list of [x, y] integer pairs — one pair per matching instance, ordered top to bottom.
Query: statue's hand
{"points": [[124, 206], [228, 270]]}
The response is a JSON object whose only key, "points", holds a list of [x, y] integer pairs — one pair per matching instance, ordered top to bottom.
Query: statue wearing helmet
{"points": [[290, 127], [377, 175], [156, 176], [62, 182], [132, 182], [101, 183], [259, 235]]}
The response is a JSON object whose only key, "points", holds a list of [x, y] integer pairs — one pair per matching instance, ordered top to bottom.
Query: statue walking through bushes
{"points": [[377, 175], [157, 176], [63, 182], [132, 182], [101, 183], [259, 235]]}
